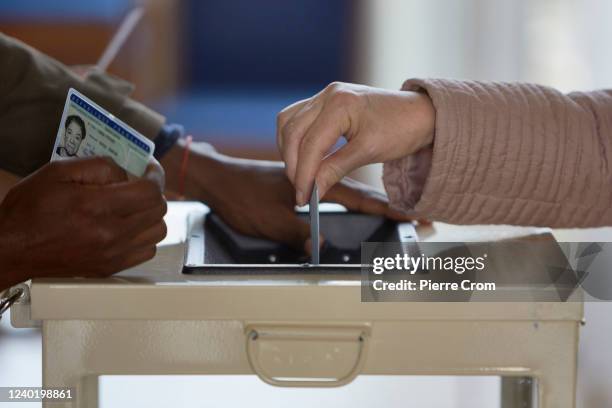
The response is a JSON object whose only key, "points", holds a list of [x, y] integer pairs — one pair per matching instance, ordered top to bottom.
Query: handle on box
{"points": [[257, 335]]}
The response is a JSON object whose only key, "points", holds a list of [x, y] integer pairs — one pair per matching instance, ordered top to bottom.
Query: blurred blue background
{"points": [[63, 10], [271, 44], [245, 60], [230, 65]]}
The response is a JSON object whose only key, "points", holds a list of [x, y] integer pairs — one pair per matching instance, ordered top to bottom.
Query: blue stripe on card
{"points": [[102, 117]]}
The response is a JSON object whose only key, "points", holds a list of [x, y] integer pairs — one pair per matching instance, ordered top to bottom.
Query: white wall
{"points": [[560, 43], [364, 392]]}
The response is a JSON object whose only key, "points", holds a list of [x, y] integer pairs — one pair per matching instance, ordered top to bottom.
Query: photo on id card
{"points": [[88, 130]]}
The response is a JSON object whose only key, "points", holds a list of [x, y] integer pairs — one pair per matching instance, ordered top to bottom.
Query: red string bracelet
{"points": [[183, 172]]}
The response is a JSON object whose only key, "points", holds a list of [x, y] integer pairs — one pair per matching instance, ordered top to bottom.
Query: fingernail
{"points": [[299, 197]]}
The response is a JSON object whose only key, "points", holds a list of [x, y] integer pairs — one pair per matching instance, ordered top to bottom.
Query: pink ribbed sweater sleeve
{"points": [[509, 153]]}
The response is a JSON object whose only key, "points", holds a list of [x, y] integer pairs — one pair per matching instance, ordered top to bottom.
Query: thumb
{"points": [[338, 164], [90, 170], [362, 198]]}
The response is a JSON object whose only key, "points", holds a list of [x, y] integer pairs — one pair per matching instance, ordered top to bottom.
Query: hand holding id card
{"points": [[88, 130]]}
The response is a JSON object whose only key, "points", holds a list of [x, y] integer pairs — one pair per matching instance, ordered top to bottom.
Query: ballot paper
{"points": [[88, 130], [314, 225]]}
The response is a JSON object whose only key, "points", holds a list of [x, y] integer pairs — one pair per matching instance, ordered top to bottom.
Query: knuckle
{"points": [[334, 87], [343, 98], [281, 117], [288, 130], [306, 142], [309, 144], [107, 161], [104, 163], [154, 165], [55, 168], [111, 169], [161, 172], [151, 190], [160, 199], [164, 208], [163, 231], [104, 236], [150, 252]]}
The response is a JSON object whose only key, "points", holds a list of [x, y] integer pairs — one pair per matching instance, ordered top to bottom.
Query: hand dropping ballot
{"points": [[88, 130]]}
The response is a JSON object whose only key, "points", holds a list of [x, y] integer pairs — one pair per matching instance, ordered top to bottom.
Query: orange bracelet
{"points": [[183, 172]]}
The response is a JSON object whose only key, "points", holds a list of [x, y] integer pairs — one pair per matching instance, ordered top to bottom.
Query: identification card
{"points": [[88, 130]]}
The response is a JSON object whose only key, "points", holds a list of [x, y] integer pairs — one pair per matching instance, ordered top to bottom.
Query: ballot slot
{"points": [[213, 246]]}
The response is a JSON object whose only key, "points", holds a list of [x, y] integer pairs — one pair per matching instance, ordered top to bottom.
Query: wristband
{"points": [[167, 137]]}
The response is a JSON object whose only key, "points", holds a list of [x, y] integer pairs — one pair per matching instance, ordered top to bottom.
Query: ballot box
{"points": [[292, 326]]}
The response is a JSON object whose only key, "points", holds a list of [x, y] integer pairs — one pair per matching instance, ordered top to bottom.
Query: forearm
{"points": [[514, 154], [205, 176], [198, 185]]}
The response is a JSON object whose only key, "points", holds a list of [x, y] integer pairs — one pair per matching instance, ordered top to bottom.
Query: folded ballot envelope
{"points": [[87, 130]]}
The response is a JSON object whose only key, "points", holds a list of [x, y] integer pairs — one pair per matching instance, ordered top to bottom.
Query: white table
{"points": [[309, 330]]}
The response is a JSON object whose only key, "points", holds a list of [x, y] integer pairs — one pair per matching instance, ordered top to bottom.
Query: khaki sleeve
{"points": [[33, 91], [511, 153]]}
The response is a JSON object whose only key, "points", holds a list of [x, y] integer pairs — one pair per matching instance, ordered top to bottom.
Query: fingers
{"points": [[284, 116], [378, 125], [309, 129], [290, 131], [322, 135], [340, 163], [91, 170], [155, 173], [172, 195], [128, 198], [361, 198], [357, 199], [136, 224], [150, 236], [122, 238], [135, 243], [137, 257], [129, 260]]}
